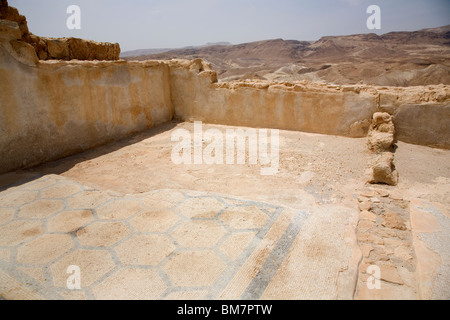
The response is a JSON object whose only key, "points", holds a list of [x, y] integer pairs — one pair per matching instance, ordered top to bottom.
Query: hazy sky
{"points": [[138, 24]]}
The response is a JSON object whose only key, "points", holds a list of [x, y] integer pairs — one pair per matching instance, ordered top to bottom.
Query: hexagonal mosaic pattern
{"points": [[165, 244]]}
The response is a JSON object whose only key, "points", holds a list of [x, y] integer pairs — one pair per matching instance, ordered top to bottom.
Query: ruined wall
{"points": [[12, 14], [60, 48], [74, 49], [292, 106], [55, 108], [51, 109], [421, 114]]}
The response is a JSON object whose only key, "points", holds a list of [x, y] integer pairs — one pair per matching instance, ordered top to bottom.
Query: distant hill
{"points": [[145, 52], [396, 58]]}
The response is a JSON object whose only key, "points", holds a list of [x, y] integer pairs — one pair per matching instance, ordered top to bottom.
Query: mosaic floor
{"points": [[166, 244]]}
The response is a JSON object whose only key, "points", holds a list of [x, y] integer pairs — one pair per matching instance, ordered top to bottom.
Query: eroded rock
{"points": [[12, 14], [9, 30], [54, 48], [58, 49], [74, 49], [24, 51], [381, 133], [384, 170], [393, 220], [389, 273]]}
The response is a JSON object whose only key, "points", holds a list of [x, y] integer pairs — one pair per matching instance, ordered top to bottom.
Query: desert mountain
{"points": [[145, 52], [397, 58]]}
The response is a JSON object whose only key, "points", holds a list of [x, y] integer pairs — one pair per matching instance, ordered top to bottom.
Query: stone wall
{"points": [[12, 14], [60, 48], [74, 49], [292, 106], [52, 109], [421, 114]]}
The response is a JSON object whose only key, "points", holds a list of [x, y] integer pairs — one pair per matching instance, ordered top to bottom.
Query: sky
{"points": [[144, 24]]}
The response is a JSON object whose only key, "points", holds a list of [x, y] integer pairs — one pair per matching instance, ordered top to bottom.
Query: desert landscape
{"points": [[401, 59], [356, 127]]}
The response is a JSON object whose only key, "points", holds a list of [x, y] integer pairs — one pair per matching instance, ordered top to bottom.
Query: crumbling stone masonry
{"points": [[60, 48], [381, 141]]}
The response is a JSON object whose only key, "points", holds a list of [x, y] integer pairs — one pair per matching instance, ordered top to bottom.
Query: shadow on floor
{"points": [[19, 177]]}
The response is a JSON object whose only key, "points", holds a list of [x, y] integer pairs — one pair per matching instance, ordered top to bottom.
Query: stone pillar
{"points": [[381, 142]]}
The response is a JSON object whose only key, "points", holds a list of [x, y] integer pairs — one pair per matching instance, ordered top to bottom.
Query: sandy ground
{"points": [[313, 168], [321, 174], [320, 182]]}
